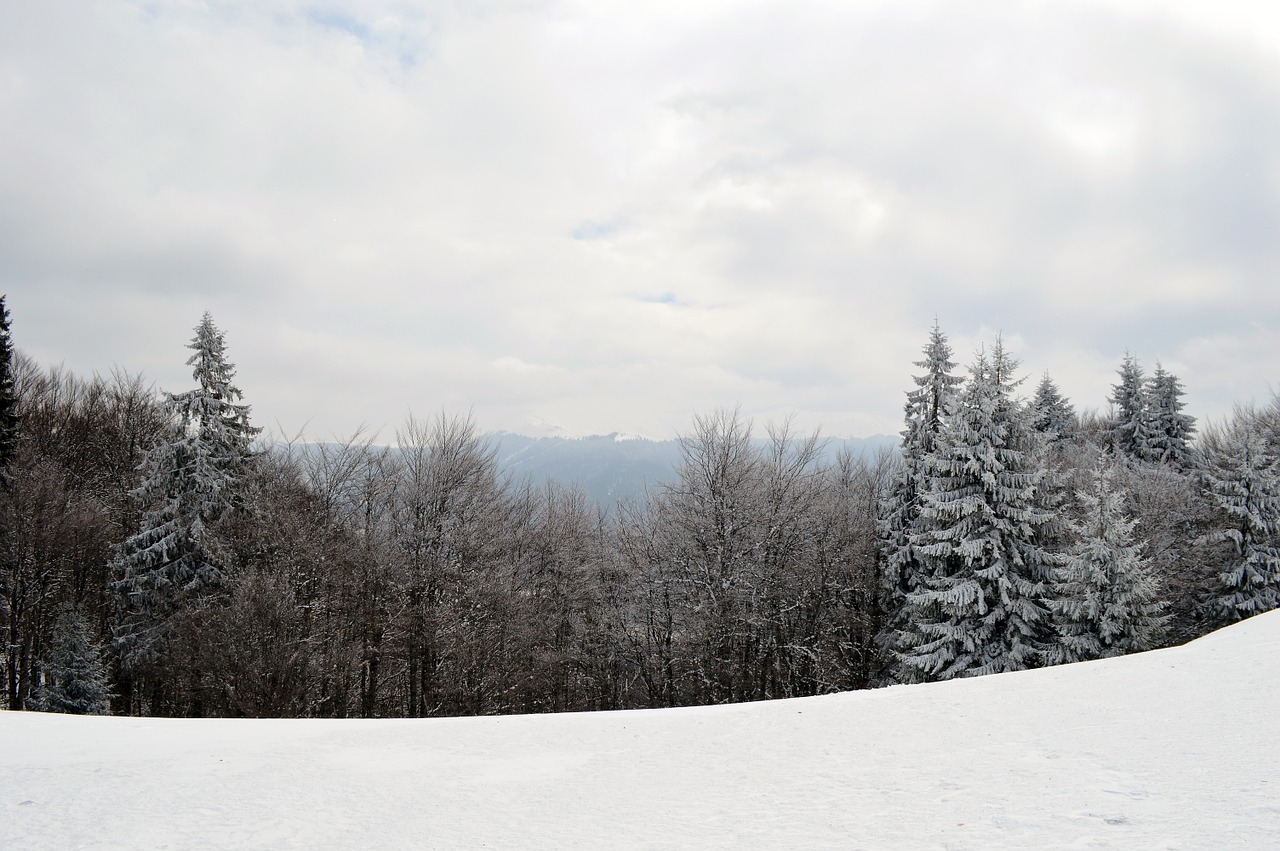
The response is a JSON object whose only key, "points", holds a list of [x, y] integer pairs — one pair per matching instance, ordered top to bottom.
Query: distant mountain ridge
{"points": [[614, 467], [619, 467]]}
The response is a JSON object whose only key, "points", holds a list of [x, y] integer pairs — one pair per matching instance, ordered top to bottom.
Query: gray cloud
{"points": [[609, 217]]}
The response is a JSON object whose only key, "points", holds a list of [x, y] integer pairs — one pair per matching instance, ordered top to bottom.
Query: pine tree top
{"points": [[212, 370], [8, 396], [928, 403], [1052, 413]]}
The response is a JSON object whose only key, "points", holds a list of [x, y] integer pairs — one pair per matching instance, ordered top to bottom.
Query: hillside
{"points": [[1174, 748]]}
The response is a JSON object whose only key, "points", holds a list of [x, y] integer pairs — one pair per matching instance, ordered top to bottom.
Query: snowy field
{"points": [[1172, 749]]}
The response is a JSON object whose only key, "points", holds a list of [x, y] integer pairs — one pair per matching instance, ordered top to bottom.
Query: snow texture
{"points": [[1155, 750]]}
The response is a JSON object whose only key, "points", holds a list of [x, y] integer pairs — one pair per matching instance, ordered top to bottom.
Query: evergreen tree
{"points": [[8, 399], [926, 409], [1052, 414], [1129, 427], [1169, 430], [193, 480], [1243, 480], [1105, 596], [980, 607], [75, 675]]}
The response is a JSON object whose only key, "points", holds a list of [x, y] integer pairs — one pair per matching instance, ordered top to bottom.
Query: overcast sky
{"points": [[608, 216]]}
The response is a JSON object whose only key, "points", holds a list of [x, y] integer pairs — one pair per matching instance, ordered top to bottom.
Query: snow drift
{"points": [[1175, 748]]}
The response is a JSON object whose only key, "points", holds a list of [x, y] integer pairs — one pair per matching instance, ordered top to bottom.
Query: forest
{"points": [[158, 557]]}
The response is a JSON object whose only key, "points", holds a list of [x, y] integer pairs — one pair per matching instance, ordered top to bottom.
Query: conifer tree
{"points": [[8, 399], [926, 409], [1052, 414], [1129, 427], [1169, 430], [1242, 478], [193, 480], [1106, 596], [981, 604], [75, 675]]}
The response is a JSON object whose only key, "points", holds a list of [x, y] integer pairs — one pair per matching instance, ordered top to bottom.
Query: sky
{"points": [[611, 216]]}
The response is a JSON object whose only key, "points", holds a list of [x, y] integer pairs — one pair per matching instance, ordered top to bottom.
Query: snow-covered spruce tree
{"points": [[8, 399], [926, 408], [1052, 414], [1169, 430], [1128, 432], [1242, 478], [193, 480], [1106, 596], [980, 608], [75, 675]]}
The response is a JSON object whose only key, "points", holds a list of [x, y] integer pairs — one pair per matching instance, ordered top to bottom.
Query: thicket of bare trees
{"points": [[360, 580], [415, 580]]}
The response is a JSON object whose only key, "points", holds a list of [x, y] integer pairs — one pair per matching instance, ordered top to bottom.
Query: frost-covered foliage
{"points": [[8, 399], [926, 408], [1051, 413], [1148, 422], [1168, 429], [1128, 431], [1242, 478], [193, 480], [1172, 516], [418, 580], [1106, 597], [980, 608], [75, 675]]}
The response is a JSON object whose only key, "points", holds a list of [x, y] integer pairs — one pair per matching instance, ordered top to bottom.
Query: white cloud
{"points": [[614, 215]]}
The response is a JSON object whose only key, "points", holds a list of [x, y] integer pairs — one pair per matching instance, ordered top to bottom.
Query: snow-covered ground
{"points": [[1172, 749]]}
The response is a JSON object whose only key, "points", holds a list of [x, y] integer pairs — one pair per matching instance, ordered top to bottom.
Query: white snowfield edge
{"points": [[1176, 748]]}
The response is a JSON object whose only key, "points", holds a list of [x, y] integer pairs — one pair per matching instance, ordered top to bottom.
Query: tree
{"points": [[8, 399], [1052, 413], [925, 414], [1169, 430], [1128, 431], [1242, 478], [194, 479], [65, 508], [1172, 514], [452, 516], [556, 581], [1106, 596], [981, 607], [75, 675]]}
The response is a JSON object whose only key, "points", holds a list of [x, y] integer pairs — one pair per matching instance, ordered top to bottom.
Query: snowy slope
{"points": [[1172, 749]]}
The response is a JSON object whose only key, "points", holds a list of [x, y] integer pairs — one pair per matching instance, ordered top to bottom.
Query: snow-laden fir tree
{"points": [[8, 399], [926, 408], [1052, 414], [1129, 424], [1168, 429], [1242, 477], [193, 480], [1105, 596], [980, 607], [75, 675]]}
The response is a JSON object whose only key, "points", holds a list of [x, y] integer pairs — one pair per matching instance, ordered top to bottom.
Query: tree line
{"points": [[159, 558]]}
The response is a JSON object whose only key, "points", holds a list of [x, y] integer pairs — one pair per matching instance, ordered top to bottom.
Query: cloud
{"points": [[613, 215]]}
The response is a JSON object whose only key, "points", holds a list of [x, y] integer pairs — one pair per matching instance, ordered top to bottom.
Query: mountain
{"points": [[606, 467], [614, 467], [1170, 749]]}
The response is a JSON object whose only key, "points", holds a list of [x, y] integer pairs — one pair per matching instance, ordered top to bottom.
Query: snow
{"points": [[1171, 749]]}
